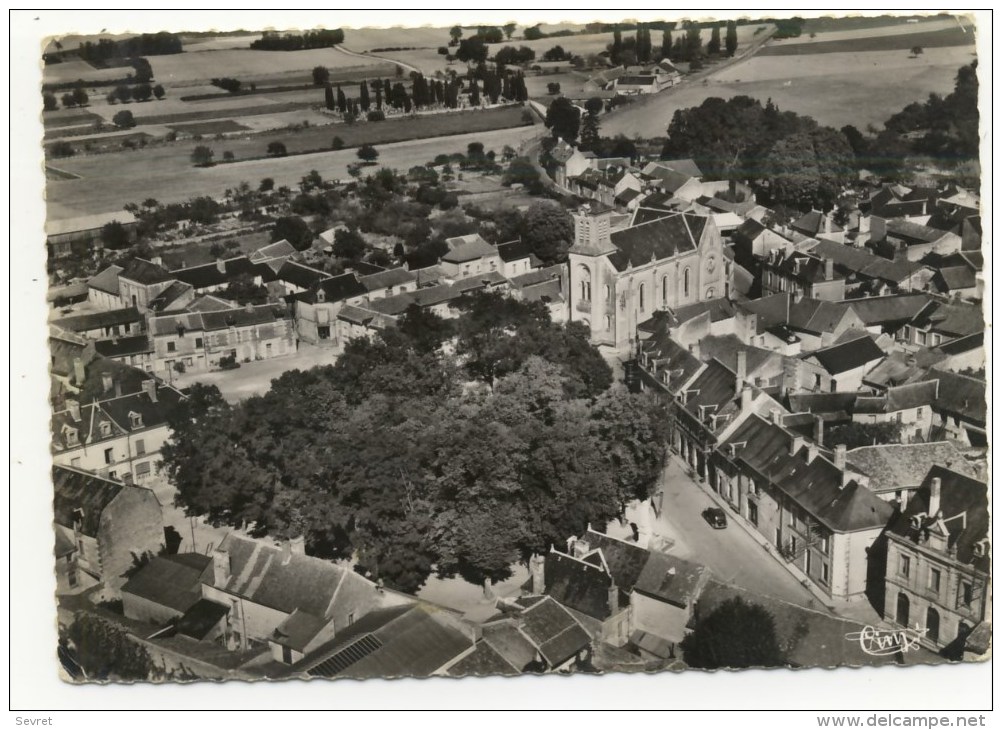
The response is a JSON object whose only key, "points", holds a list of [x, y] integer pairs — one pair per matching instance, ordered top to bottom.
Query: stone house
{"points": [[841, 367], [101, 527]]}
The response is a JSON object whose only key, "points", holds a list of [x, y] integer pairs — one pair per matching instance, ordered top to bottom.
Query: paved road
{"points": [[731, 553]]}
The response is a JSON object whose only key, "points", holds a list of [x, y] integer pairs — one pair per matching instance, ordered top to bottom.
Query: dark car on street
{"points": [[716, 517]]}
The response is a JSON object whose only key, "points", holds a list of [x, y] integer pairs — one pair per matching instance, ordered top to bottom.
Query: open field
{"points": [[853, 23], [840, 29], [953, 36], [365, 39], [191, 67], [74, 69], [834, 88], [68, 118], [219, 126], [165, 173]]}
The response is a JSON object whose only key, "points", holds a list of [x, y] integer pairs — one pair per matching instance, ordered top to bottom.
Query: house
{"points": [[571, 162], [674, 182], [816, 224], [82, 234], [752, 240], [914, 241], [469, 255], [517, 258], [797, 271], [220, 274], [873, 275], [295, 278], [618, 279], [141, 281], [388, 282], [548, 285], [102, 289], [317, 308], [888, 314], [940, 322], [107, 323], [790, 323], [207, 340], [135, 350], [69, 356], [841, 367], [909, 406], [961, 411], [118, 436], [894, 471], [818, 518], [101, 527], [938, 572], [166, 587], [616, 588], [282, 597], [530, 634], [406, 640]]}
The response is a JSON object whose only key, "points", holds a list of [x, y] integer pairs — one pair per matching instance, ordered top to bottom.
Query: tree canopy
{"points": [[563, 119], [397, 456], [736, 635]]}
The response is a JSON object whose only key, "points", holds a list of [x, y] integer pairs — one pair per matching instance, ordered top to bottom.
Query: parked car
{"points": [[716, 517]]}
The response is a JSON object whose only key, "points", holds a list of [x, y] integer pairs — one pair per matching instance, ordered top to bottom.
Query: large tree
{"points": [[731, 38], [563, 119], [810, 169], [547, 228], [294, 230], [735, 635], [105, 652]]}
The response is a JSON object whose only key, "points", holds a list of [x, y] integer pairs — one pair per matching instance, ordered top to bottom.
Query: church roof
{"points": [[658, 239]]}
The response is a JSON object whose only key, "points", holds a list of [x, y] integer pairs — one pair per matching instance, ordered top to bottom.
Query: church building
{"points": [[620, 278]]}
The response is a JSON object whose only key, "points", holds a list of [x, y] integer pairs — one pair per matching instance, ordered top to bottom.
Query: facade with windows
{"points": [[620, 278], [938, 578]]}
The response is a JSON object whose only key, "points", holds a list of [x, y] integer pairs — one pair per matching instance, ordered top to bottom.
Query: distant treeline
{"points": [[786, 27], [272, 41], [148, 44]]}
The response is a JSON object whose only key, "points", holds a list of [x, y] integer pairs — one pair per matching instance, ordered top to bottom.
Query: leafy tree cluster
{"points": [[731, 38], [274, 41], [99, 53], [509, 55], [227, 83], [140, 92], [77, 97], [563, 119], [800, 163], [154, 217], [294, 230], [854, 435], [385, 456], [736, 635], [105, 651]]}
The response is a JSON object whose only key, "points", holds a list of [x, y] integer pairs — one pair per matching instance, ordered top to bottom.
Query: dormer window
{"points": [[135, 419], [105, 428], [72, 436]]}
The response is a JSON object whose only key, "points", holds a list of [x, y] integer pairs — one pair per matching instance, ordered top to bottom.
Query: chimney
{"points": [[827, 223], [157, 260], [221, 266], [829, 270], [249, 308], [694, 350], [79, 372], [742, 373], [107, 382], [118, 388], [150, 388], [746, 398], [74, 408], [776, 416], [819, 430], [796, 445], [812, 453], [839, 457], [935, 490], [905, 494], [298, 545], [581, 548], [286, 552], [537, 565], [220, 568], [613, 599]]}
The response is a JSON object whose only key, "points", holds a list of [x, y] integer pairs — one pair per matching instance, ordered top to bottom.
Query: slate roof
{"points": [[635, 80], [686, 166], [669, 179], [627, 196], [813, 223], [913, 233], [659, 239], [467, 248], [273, 250], [514, 251], [866, 264], [802, 267], [142, 271], [206, 275], [304, 277], [386, 278], [106, 280], [478, 281], [335, 289], [168, 296], [427, 297], [209, 303], [890, 310], [816, 316], [242, 317], [364, 317], [953, 319], [100, 320], [168, 324], [963, 344], [124, 346], [725, 349], [848, 355], [671, 357], [961, 396], [899, 398], [838, 405], [904, 466], [817, 486], [79, 490], [958, 494], [625, 560], [258, 575], [671, 579], [174, 581], [581, 586], [201, 618], [298, 630], [554, 630], [504, 636], [483, 661]]}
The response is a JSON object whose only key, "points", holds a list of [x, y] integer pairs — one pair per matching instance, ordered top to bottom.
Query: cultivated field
{"points": [[840, 29], [944, 37], [75, 69], [863, 88], [109, 181]]}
